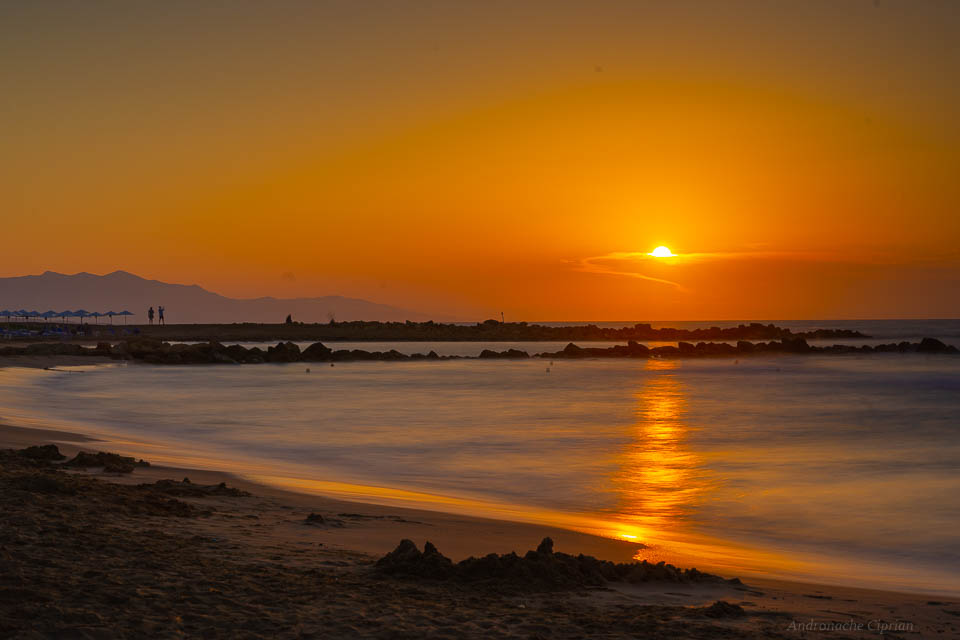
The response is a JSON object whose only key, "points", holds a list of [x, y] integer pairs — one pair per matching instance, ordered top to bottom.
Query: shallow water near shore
{"points": [[836, 469]]}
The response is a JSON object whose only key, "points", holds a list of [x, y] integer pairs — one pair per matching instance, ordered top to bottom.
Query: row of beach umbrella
{"points": [[79, 313]]}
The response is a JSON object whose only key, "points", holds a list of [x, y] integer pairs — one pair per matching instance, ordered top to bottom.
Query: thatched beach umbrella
{"points": [[125, 313]]}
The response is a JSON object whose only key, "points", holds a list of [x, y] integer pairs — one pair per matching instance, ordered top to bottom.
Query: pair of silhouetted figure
{"points": [[160, 319]]}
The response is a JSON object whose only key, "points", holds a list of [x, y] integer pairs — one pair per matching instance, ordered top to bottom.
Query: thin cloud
{"points": [[599, 264], [592, 265]]}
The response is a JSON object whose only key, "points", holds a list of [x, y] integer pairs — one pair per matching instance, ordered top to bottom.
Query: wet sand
{"points": [[87, 554]]}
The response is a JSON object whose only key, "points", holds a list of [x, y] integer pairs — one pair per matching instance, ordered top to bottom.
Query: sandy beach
{"points": [[91, 554]]}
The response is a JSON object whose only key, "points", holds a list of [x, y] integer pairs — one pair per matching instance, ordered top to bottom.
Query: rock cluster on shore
{"points": [[542, 569]]}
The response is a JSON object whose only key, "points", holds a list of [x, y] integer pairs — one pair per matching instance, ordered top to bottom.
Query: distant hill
{"points": [[183, 303]]}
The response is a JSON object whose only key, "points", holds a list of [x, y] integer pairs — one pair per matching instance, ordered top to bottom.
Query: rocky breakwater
{"points": [[742, 348], [155, 351], [159, 352]]}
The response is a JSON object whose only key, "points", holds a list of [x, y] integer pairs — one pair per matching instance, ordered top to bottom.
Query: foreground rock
{"points": [[109, 462], [543, 569]]}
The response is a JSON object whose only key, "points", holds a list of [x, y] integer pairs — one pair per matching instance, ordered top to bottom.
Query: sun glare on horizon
{"points": [[662, 252]]}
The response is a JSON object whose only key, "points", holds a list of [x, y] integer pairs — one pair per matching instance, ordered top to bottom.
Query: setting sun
{"points": [[662, 252]]}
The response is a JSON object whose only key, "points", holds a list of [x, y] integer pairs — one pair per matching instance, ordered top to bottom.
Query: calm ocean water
{"points": [[816, 467]]}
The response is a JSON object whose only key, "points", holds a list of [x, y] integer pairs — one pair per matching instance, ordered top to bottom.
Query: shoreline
{"points": [[508, 524], [273, 526], [492, 531], [714, 550]]}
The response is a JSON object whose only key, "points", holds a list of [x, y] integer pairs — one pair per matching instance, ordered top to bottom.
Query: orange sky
{"points": [[471, 158]]}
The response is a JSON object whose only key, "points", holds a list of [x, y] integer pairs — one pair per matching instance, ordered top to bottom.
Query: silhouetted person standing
{"points": [[150, 315], [160, 319]]}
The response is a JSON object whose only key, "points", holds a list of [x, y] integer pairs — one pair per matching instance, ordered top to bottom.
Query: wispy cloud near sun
{"points": [[618, 264], [637, 264]]}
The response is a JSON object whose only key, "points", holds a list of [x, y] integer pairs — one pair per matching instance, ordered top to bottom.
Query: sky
{"points": [[465, 158]]}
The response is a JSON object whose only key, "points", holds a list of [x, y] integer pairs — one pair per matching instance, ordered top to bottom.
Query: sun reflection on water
{"points": [[660, 481]]}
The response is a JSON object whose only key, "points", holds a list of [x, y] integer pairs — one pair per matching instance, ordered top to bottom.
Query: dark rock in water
{"points": [[795, 345], [932, 345], [745, 347], [146, 348], [56, 349], [636, 349], [715, 349], [572, 350], [120, 351], [283, 352], [317, 352], [237, 353], [509, 353], [218, 357], [44, 452], [111, 462], [542, 569], [723, 609]]}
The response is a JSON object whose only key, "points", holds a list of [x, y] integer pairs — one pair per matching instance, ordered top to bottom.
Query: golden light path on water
{"points": [[659, 482]]}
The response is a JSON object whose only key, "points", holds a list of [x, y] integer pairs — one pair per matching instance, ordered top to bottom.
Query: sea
{"points": [[834, 469]]}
